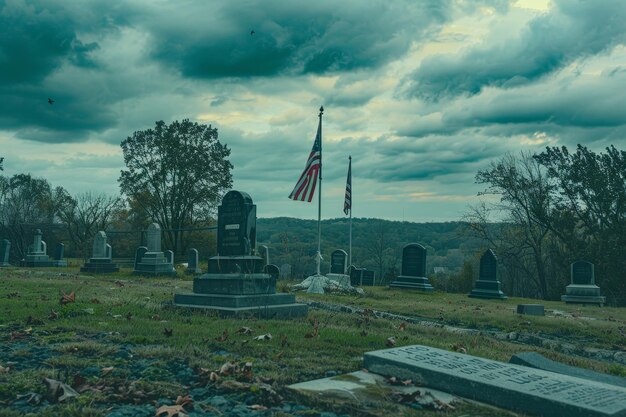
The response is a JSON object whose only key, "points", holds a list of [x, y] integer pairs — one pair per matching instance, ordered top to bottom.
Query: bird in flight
{"points": [[251, 32], [50, 100]]}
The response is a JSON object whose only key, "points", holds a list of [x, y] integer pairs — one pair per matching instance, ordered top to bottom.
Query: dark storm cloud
{"points": [[571, 30], [205, 41], [584, 102]]}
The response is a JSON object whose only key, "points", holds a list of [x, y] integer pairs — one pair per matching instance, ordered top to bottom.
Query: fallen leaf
{"points": [[119, 283], [68, 298], [95, 301], [53, 315], [129, 316], [156, 317], [402, 327], [244, 330], [168, 332], [363, 333], [267, 336], [223, 337], [283, 341], [391, 341], [459, 347], [278, 356], [228, 368], [4, 370], [246, 370], [106, 371], [58, 391], [186, 402], [257, 407], [171, 411]]}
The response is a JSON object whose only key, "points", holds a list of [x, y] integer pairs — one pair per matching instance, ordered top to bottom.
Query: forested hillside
{"points": [[376, 244]]}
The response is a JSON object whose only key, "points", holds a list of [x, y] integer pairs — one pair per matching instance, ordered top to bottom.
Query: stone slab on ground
{"points": [[235, 301], [531, 309], [538, 361], [509, 386], [366, 387]]}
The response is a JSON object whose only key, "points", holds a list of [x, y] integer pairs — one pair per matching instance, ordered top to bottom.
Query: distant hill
{"points": [[376, 244]]}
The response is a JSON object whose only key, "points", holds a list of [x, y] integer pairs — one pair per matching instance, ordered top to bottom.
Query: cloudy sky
{"points": [[422, 94]]}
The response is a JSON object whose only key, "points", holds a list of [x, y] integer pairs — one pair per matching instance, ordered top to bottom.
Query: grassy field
{"points": [[121, 344]]}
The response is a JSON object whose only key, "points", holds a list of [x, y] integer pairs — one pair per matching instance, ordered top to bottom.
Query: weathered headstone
{"points": [[236, 225], [236, 236], [5, 249], [37, 253], [58, 255], [169, 258], [101, 261], [338, 261], [154, 262], [192, 262], [338, 266], [413, 269], [272, 270], [285, 271], [368, 277], [235, 284], [487, 285], [583, 288], [531, 309], [513, 387]]}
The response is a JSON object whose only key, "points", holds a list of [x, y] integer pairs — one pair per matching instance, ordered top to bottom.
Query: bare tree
{"points": [[85, 215]]}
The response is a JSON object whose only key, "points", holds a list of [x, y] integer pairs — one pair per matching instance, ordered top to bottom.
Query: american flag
{"points": [[305, 188], [347, 204]]}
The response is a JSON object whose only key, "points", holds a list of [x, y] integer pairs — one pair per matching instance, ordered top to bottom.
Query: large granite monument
{"points": [[5, 249], [37, 255], [101, 261], [154, 262], [413, 269], [235, 284], [487, 285], [583, 289]]}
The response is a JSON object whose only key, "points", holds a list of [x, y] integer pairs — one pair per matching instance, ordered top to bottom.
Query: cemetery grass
{"points": [[127, 350]]}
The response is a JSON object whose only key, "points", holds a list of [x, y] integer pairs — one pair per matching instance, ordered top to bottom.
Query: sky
{"points": [[422, 94]]}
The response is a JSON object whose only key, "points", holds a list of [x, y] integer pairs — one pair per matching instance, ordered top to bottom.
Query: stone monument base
{"points": [[36, 261], [59, 262], [4, 264], [154, 264], [99, 266], [341, 279], [416, 283], [487, 289], [583, 294], [236, 295]]}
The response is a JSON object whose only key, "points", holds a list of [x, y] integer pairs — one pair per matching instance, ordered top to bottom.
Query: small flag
{"points": [[305, 188], [347, 204]]}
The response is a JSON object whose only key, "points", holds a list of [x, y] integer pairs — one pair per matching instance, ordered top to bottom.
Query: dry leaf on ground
{"points": [[68, 298], [267, 336], [391, 341], [171, 411]]}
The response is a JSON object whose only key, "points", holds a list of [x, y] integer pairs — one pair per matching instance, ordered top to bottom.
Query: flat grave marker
{"points": [[512, 387]]}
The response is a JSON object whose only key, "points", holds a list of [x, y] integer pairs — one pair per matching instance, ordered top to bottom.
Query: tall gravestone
{"points": [[5, 249], [37, 253], [59, 253], [265, 253], [101, 261], [154, 262], [192, 262], [338, 267], [413, 269], [285, 271], [235, 284], [487, 285], [583, 288]]}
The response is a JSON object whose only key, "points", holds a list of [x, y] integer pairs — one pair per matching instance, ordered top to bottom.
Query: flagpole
{"points": [[319, 203], [350, 246]]}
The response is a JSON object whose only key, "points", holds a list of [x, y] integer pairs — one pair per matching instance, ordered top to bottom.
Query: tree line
{"points": [[175, 175], [539, 212]]}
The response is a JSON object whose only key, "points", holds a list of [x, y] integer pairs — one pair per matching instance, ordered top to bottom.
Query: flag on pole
{"points": [[305, 188], [347, 204]]}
